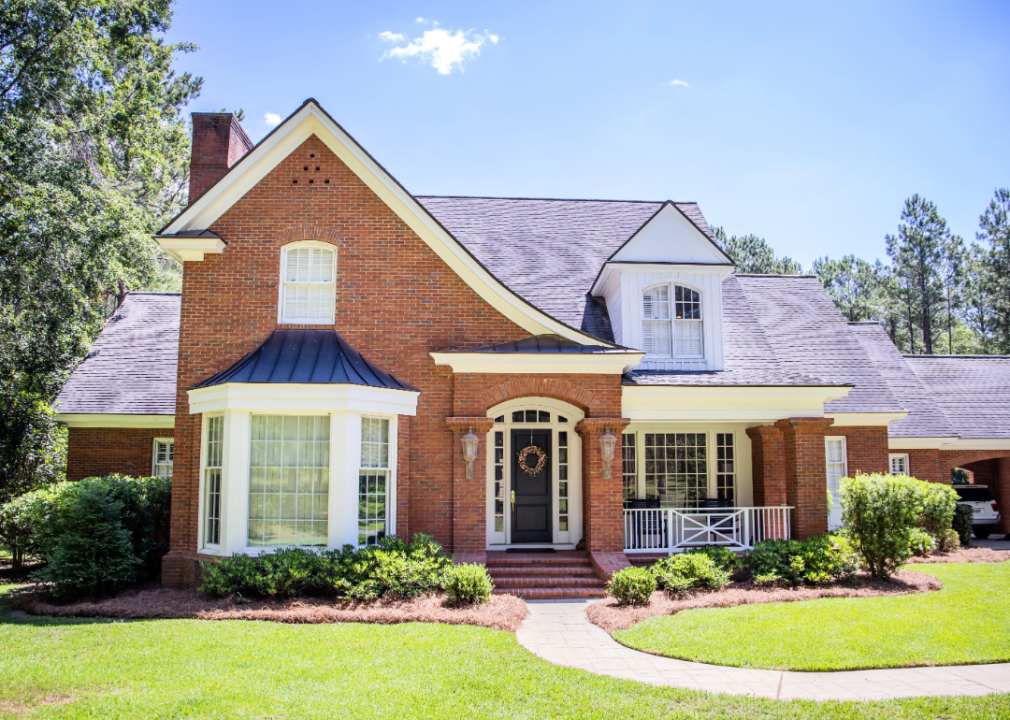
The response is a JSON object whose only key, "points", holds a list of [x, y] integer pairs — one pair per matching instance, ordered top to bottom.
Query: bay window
{"points": [[214, 455], [373, 481]]}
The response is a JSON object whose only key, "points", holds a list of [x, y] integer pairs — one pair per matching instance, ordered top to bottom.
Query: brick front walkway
{"points": [[560, 633]]}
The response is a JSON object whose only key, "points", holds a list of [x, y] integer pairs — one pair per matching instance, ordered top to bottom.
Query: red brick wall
{"points": [[218, 143], [396, 302], [865, 448], [101, 451], [768, 465], [926, 465], [806, 474], [1002, 492]]}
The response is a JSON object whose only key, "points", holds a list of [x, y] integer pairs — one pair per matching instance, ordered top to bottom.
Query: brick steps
{"points": [[567, 575]]}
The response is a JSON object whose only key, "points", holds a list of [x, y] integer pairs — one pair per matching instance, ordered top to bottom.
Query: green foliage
{"points": [[93, 159], [994, 232], [754, 255], [857, 287], [938, 503], [879, 513], [26, 522], [961, 524], [949, 541], [921, 543], [724, 558], [815, 561], [391, 568], [679, 574], [468, 583], [632, 586]]}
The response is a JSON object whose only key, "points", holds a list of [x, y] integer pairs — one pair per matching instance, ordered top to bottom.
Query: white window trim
{"points": [[281, 284], [671, 286], [711, 433], [154, 454], [895, 456], [390, 475], [836, 500], [202, 502]]}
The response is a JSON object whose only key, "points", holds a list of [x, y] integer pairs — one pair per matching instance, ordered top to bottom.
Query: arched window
{"points": [[308, 275], [672, 330]]}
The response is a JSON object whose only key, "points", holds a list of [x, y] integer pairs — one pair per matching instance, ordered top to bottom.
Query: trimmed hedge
{"points": [[961, 524], [922, 543], [815, 561], [678, 574], [468, 583], [632, 586]]}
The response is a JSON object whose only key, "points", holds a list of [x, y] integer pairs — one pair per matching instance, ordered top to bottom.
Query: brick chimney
{"points": [[218, 143]]}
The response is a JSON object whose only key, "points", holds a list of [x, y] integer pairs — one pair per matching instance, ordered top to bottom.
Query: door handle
{"points": [[513, 499]]}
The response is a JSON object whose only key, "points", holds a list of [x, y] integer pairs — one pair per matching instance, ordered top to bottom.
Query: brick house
{"points": [[347, 361]]}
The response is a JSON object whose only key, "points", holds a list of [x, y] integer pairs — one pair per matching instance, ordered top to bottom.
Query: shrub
{"points": [[938, 503], [879, 513], [26, 522], [961, 525], [949, 541], [921, 543], [724, 558], [817, 560], [689, 571], [468, 583], [632, 586]]}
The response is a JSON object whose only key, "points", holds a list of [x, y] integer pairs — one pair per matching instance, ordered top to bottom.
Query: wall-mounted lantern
{"points": [[607, 445], [469, 452]]}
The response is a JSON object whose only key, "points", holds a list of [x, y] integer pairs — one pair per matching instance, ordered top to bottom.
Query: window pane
{"points": [[308, 285], [689, 339], [374, 443], [213, 454], [629, 467], [676, 469]]}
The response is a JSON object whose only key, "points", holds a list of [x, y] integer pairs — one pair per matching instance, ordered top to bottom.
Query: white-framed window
{"points": [[308, 283], [672, 327], [213, 453], [161, 462], [899, 463], [836, 467], [676, 469], [629, 470], [289, 480], [373, 481]]}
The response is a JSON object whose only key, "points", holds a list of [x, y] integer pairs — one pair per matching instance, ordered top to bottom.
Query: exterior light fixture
{"points": [[607, 444], [469, 452]]}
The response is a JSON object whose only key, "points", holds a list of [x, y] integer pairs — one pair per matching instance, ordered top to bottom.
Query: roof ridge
{"points": [[556, 199], [957, 357]]}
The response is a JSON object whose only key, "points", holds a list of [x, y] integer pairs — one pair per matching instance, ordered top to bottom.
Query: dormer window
{"points": [[308, 273], [672, 330]]}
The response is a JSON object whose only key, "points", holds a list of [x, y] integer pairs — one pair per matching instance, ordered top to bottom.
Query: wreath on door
{"points": [[541, 460]]}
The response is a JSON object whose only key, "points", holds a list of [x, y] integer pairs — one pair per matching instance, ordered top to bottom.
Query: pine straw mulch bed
{"points": [[965, 555], [503, 612], [610, 616]]}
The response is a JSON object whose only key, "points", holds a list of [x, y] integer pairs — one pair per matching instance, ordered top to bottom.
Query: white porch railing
{"points": [[672, 530]]}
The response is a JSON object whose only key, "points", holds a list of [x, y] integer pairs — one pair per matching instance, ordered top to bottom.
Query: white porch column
{"points": [[235, 482]]}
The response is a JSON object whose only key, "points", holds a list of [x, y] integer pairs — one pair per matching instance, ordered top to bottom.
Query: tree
{"points": [[93, 159], [994, 229], [917, 254], [754, 255], [952, 277], [852, 283], [980, 298]]}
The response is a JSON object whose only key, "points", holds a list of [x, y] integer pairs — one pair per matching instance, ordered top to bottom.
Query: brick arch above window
{"points": [[310, 232], [555, 388], [955, 459]]}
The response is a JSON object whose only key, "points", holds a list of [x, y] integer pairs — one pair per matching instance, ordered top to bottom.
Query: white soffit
{"points": [[310, 120], [670, 237], [191, 249], [611, 363], [302, 398], [742, 404], [865, 419], [94, 420], [918, 443]]}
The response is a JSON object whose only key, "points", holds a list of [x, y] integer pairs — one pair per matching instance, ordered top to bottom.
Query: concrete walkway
{"points": [[559, 632]]}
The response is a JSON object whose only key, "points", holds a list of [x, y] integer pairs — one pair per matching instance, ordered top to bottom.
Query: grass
{"points": [[967, 622], [235, 669]]}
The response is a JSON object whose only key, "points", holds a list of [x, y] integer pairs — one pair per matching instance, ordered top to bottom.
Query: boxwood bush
{"points": [[938, 504], [879, 513], [25, 522], [961, 524], [921, 543], [723, 557], [815, 561], [678, 574], [468, 583], [632, 586]]}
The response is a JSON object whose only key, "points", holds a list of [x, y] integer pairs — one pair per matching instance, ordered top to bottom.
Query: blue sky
{"points": [[805, 123]]}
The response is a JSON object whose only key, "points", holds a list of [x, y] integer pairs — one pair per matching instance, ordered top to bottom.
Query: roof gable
{"points": [[310, 119], [670, 236]]}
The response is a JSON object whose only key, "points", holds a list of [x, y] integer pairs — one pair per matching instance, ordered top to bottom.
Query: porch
{"points": [[672, 530]]}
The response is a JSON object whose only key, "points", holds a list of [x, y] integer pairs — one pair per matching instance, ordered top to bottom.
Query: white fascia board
{"points": [[311, 120], [190, 249], [611, 272], [615, 363], [301, 398], [738, 404], [865, 419], [95, 420], [918, 443], [969, 444]]}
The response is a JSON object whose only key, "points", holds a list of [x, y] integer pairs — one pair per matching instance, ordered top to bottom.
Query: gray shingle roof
{"points": [[523, 242], [548, 345], [306, 356], [131, 369], [972, 391], [925, 417]]}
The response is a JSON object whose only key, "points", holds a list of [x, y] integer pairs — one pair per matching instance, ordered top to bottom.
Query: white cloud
{"points": [[420, 21], [440, 48], [681, 83], [273, 119]]}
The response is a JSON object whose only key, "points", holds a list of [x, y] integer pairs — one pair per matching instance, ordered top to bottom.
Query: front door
{"points": [[531, 486]]}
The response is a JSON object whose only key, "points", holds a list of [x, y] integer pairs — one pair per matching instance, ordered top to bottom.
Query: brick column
{"points": [[768, 461], [806, 476], [1002, 491], [469, 497], [602, 500]]}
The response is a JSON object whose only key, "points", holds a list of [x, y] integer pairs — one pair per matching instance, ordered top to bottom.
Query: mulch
{"points": [[964, 555], [503, 612], [610, 616]]}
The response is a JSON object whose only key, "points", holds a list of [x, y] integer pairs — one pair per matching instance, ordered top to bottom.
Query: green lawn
{"points": [[966, 622], [236, 669]]}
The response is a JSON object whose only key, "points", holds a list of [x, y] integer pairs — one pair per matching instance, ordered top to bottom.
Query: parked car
{"points": [[985, 513]]}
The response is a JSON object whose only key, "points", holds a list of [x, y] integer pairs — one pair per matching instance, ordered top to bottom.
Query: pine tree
{"points": [[994, 229], [753, 254], [952, 276], [980, 298]]}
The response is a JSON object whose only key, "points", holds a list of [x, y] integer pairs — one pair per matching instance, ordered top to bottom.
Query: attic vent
{"points": [[312, 154], [317, 169], [295, 181], [311, 181], [327, 182]]}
